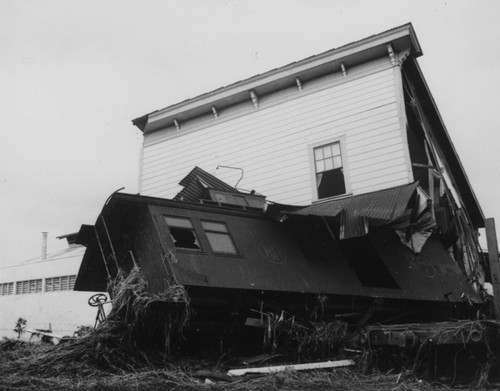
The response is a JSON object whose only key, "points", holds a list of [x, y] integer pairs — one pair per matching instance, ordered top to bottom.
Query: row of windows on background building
{"points": [[52, 284]]}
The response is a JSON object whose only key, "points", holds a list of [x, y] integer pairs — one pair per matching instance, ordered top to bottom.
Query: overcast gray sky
{"points": [[74, 73]]}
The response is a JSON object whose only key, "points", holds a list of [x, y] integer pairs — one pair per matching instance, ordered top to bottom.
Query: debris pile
{"points": [[136, 333], [132, 346]]}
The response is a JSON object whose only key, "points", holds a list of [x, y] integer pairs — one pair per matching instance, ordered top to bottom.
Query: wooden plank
{"points": [[491, 239], [46, 334], [294, 367]]}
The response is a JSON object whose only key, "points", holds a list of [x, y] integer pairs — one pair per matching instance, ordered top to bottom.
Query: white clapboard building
{"points": [[353, 120], [325, 130]]}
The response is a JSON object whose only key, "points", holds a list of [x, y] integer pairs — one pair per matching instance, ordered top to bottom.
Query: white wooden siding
{"points": [[272, 144]]}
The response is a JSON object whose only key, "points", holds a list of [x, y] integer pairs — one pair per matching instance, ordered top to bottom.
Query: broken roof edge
{"points": [[402, 37], [199, 173], [158, 201]]}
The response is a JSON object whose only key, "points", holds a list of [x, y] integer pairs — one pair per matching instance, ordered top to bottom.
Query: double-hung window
{"points": [[329, 170]]}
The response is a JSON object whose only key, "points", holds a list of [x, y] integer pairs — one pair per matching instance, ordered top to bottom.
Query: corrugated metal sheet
{"points": [[196, 184], [387, 204]]}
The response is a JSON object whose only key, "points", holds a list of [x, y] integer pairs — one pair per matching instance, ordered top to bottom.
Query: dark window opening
{"points": [[329, 170], [330, 183], [182, 233], [312, 236], [219, 238], [366, 263]]}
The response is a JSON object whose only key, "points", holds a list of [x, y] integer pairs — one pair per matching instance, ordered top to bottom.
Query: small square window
{"points": [[330, 179], [182, 233], [219, 238]]}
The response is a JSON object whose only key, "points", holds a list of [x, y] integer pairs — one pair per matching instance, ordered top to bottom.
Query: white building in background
{"points": [[41, 291]]}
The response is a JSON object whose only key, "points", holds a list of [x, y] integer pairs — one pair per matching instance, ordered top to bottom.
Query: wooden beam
{"points": [[491, 239], [291, 367]]}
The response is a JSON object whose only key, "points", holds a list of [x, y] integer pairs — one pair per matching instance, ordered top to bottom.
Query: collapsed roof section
{"points": [[199, 186], [404, 209]]}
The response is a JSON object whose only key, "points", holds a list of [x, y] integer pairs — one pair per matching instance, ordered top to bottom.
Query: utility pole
{"points": [[491, 239]]}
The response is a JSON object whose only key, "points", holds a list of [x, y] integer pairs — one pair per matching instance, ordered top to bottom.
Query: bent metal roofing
{"points": [[387, 204]]}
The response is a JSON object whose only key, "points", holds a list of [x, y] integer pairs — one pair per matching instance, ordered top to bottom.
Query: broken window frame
{"points": [[316, 163], [176, 225], [223, 232]]}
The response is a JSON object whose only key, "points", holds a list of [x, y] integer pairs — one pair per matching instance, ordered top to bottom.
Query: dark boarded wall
{"points": [[270, 259]]}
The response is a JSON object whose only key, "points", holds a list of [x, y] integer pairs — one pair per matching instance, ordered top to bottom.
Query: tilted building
{"points": [[328, 183]]}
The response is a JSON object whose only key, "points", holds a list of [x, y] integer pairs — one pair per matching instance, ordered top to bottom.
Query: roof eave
{"points": [[401, 38]]}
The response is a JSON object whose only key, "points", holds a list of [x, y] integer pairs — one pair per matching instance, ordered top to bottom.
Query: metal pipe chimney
{"points": [[44, 245]]}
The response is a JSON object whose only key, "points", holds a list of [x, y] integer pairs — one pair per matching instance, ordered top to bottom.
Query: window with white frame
{"points": [[329, 170], [6, 288]]}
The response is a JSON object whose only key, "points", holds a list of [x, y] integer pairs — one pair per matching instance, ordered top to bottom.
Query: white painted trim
{"points": [[373, 45], [403, 120], [345, 165], [141, 168]]}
